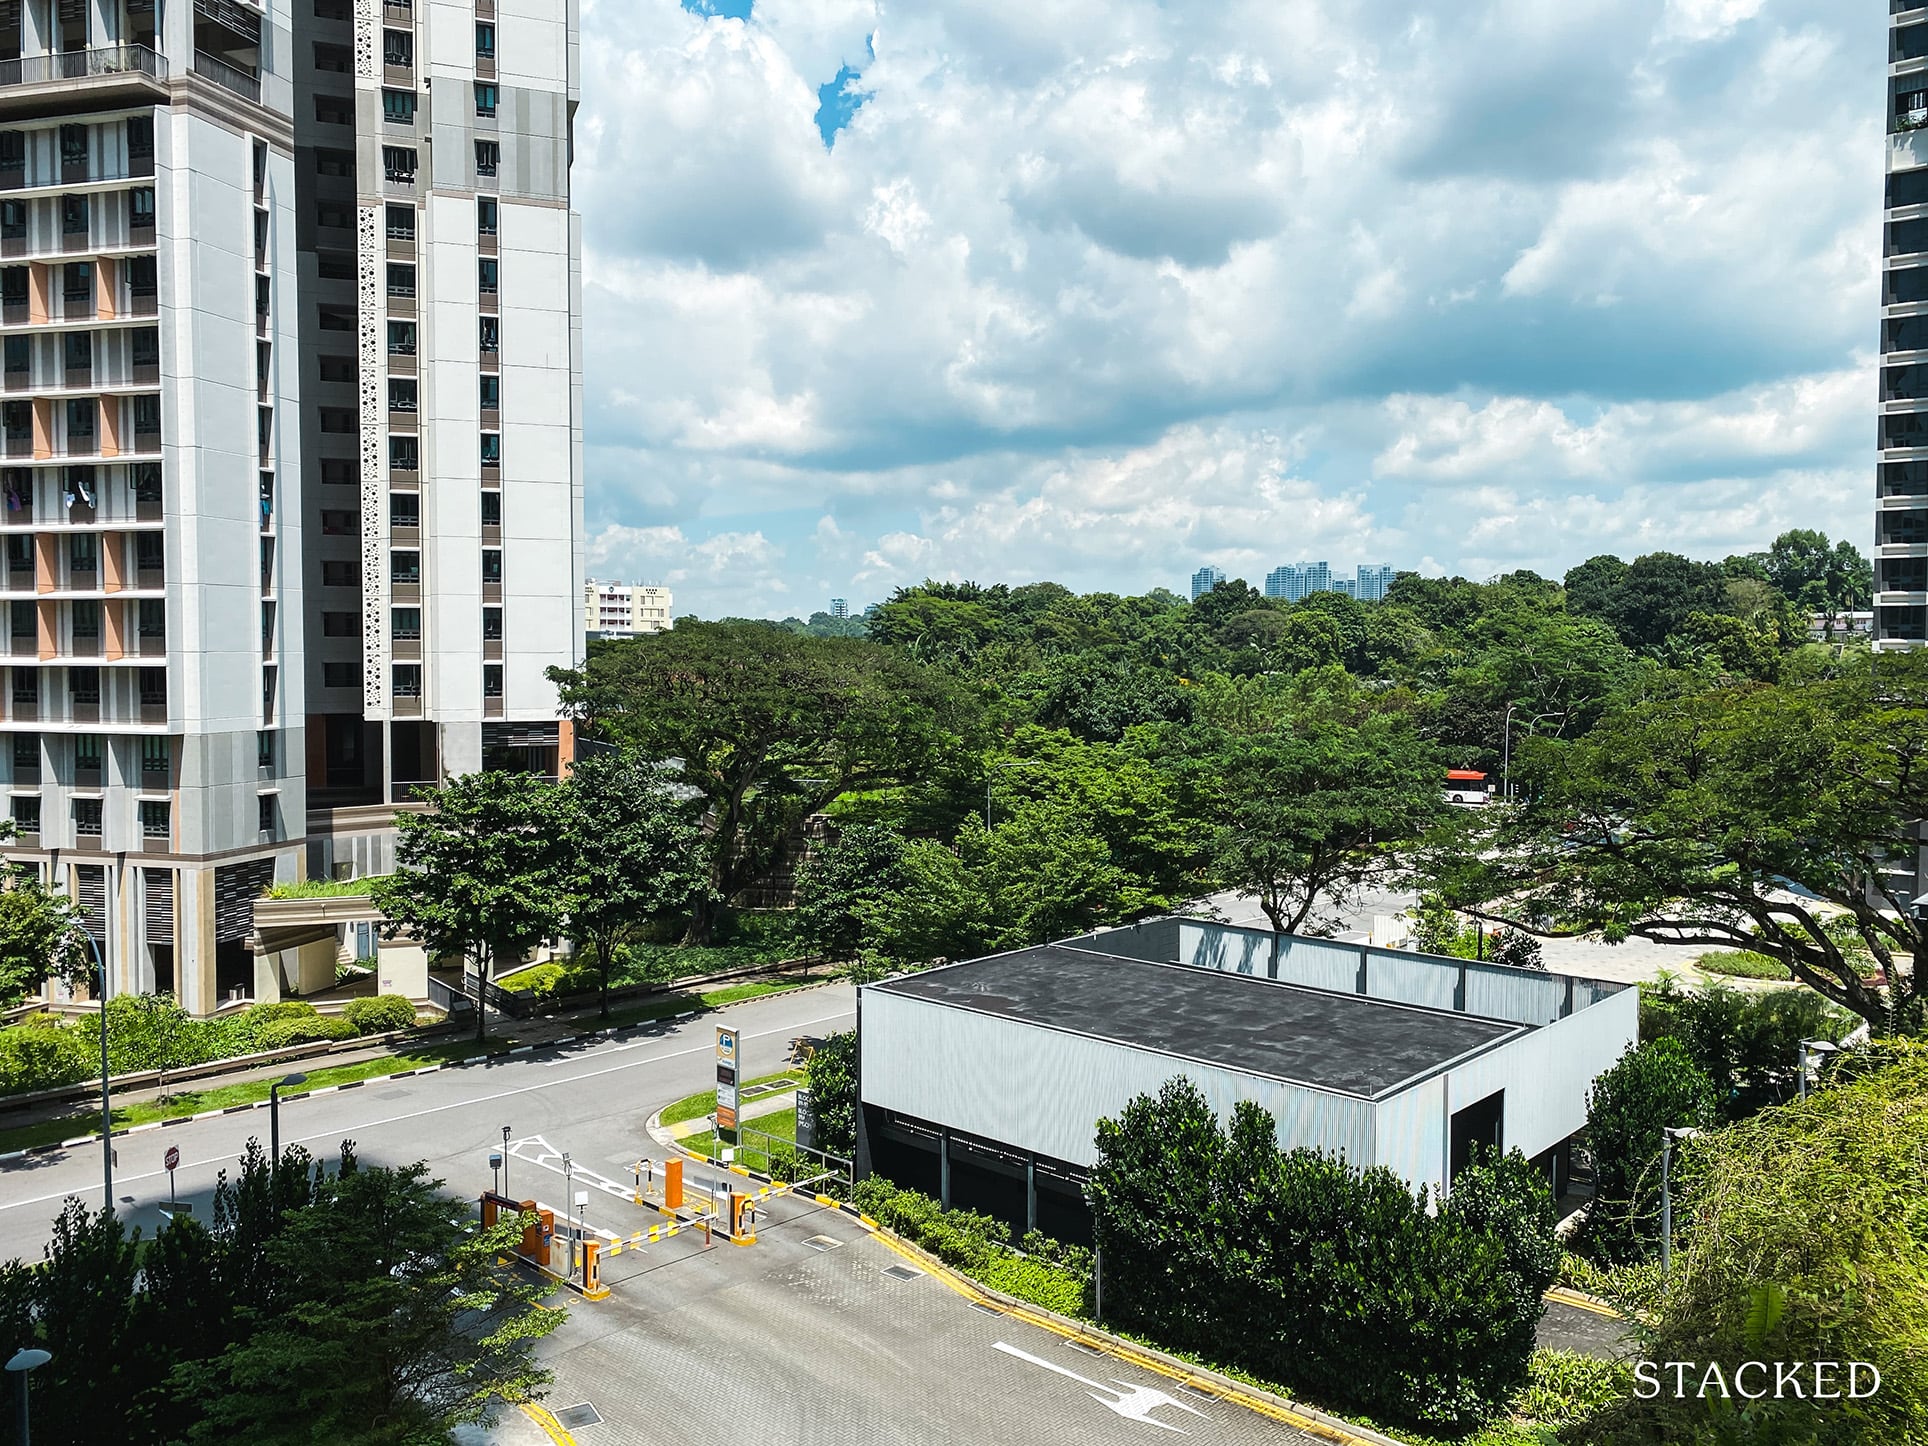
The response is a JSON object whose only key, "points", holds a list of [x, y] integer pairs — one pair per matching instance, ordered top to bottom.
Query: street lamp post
{"points": [[1506, 746], [1810, 1047], [106, 1100], [274, 1117], [1673, 1132], [505, 1159], [23, 1363]]}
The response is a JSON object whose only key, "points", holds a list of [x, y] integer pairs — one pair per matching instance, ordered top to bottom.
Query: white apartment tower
{"points": [[291, 405], [1901, 506]]}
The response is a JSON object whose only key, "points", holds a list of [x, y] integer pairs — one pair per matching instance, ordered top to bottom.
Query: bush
{"points": [[1741, 964], [552, 981], [381, 1014], [281, 1033], [1747, 1043], [39, 1054], [1654, 1087], [1297, 1268], [1054, 1276]]}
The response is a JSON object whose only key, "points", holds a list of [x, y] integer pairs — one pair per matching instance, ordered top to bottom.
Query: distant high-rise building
{"points": [[1901, 493], [1318, 577], [1374, 579], [1204, 580], [1284, 582], [1346, 585], [839, 608], [620, 610]]}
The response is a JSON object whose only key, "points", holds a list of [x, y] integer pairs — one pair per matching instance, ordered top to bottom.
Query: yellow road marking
{"points": [[1560, 1295], [1237, 1395], [557, 1432]]}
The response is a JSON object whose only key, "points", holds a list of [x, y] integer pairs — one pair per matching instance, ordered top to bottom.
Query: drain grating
{"points": [[770, 1087], [822, 1242], [901, 1272], [979, 1305], [1085, 1346], [1201, 1392], [575, 1417]]}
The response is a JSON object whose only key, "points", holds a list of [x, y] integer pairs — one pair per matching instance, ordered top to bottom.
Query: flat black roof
{"points": [[1344, 1042]]}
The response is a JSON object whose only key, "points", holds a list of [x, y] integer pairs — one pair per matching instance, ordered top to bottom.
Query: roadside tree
{"points": [[1654, 1087]]}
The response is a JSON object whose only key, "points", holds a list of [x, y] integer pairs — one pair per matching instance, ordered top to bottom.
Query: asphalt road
{"points": [[591, 1100]]}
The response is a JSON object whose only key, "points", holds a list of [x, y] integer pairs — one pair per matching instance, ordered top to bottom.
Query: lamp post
{"points": [[1506, 746], [1810, 1047], [106, 1100], [274, 1116], [1672, 1133], [505, 1159], [23, 1363]]}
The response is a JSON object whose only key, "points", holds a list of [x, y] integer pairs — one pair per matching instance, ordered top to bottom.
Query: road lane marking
{"points": [[226, 1156], [1134, 1403]]}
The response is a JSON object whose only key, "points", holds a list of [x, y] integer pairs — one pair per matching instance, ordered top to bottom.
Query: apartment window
{"points": [[484, 41], [398, 47], [334, 59], [485, 96], [399, 106], [334, 110], [140, 137], [73, 147], [13, 150], [488, 157], [334, 163], [398, 163], [140, 208], [74, 214], [329, 214], [487, 215], [13, 222], [401, 223], [486, 275], [143, 276], [401, 279], [77, 283], [333, 318], [490, 333], [401, 338], [147, 347], [77, 350], [337, 369], [491, 393], [402, 394], [147, 414], [81, 415], [333, 419], [18, 420], [491, 449], [403, 454], [338, 472], [146, 479], [491, 509], [404, 510], [337, 523], [150, 551], [83, 552], [492, 564], [405, 567], [335, 573], [153, 617], [86, 620], [341, 625], [407, 625], [492, 625], [341, 675], [408, 680], [491, 680], [26, 685], [83, 686], [153, 688], [264, 748], [26, 753], [87, 753], [156, 758], [265, 809], [87, 813], [26, 815], [157, 818]]}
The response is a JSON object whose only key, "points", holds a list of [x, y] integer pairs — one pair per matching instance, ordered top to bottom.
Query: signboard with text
{"points": [[726, 1081]]}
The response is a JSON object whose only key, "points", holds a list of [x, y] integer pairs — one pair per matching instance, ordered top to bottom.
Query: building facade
{"points": [[232, 307], [1901, 489], [1204, 580], [1374, 580], [623, 610]]}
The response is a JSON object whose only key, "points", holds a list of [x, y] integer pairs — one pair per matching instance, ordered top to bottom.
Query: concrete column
{"points": [[1030, 1192]]}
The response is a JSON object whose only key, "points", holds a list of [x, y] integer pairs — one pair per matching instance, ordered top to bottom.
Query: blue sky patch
{"points": [[720, 9], [837, 102]]}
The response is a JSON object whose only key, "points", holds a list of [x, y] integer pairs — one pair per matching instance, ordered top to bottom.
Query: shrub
{"points": [[1741, 964], [552, 980], [379, 1015], [281, 1033], [1748, 1044], [39, 1054], [1654, 1087], [1054, 1276]]}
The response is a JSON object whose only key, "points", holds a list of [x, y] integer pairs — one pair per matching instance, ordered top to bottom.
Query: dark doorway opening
{"points": [[1480, 1127]]}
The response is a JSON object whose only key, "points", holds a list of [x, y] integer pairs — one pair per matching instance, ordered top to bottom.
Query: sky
{"points": [[1103, 290]]}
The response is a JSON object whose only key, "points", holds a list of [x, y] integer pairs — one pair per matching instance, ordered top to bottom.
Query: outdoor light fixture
{"points": [[1811, 1047], [274, 1115], [1673, 1132], [22, 1364]]}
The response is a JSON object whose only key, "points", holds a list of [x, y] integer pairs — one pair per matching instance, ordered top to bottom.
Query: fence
{"points": [[782, 1158]]}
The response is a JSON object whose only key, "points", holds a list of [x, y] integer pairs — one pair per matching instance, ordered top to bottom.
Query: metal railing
{"points": [[104, 60], [229, 77]]}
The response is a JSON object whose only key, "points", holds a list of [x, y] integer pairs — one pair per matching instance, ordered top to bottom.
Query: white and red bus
{"points": [[1468, 787]]}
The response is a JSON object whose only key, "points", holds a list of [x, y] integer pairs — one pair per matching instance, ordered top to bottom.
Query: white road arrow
{"points": [[1134, 1403]]}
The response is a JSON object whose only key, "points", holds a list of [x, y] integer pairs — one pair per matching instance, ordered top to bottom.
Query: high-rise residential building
{"points": [[291, 410], [1901, 506], [1315, 577], [1374, 579], [1204, 580], [1285, 582], [1346, 585], [839, 608], [624, 610]]}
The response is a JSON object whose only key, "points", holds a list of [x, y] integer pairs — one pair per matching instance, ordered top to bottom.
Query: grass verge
{"points": [[1740, 964]]}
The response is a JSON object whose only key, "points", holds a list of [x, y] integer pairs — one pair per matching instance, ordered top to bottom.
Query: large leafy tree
{"points": [[768, 726], [1303, 817], [1738, 817], [629, 852], [863, 864], [479, 874], [40, 937], [1653, 1088]]}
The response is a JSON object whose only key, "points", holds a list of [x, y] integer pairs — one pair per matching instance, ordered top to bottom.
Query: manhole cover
{"points": [[822, 1242], [901, 1272], [573, 1417]]}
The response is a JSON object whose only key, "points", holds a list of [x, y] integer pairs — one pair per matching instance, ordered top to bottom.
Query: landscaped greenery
{"points": [[324, 888], [1740, 964], [703, 1103], [358, 1304]]}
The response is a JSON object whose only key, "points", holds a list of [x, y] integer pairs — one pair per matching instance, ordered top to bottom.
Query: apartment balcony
{"points": [[398, 12], [108, 76], [244, 83], [401, 248], [405, 536], [406, 650], [406, 707]]}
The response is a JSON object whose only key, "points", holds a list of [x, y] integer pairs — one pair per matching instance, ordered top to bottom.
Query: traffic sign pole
{"points": [[169, 1162]]}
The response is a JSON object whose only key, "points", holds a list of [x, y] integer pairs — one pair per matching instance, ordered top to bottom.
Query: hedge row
{"points": [[146, 1032]]}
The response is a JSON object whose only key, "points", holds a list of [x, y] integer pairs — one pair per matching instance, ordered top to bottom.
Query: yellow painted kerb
{"points": [[555, 1429]]}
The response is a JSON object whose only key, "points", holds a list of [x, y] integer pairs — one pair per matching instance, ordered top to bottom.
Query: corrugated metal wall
{"points": [[1043, 1090]]}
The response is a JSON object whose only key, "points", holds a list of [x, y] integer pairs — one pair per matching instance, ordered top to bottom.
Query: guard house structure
{"points": [[982, 1082]]}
